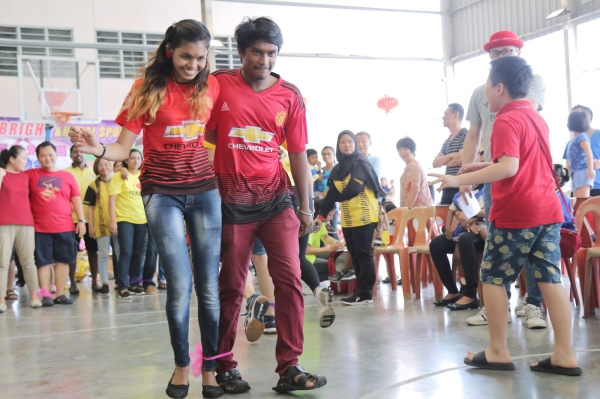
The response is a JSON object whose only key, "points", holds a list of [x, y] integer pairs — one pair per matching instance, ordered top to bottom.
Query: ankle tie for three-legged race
{"points": [[198, 359]]}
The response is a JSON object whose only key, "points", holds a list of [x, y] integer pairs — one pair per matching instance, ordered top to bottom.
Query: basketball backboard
{"points": [[49, 86]]}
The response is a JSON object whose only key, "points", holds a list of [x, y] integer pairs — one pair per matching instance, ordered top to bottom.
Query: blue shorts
{"points": [[579, 179], [53, 248], [258, 248], [507, 251]]}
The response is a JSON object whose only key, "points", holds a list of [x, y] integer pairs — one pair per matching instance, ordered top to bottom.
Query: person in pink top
{"points": [[414, 190], [52, 192], [16, 222]]}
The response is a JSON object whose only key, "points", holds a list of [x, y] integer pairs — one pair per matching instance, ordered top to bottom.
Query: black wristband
{"points": [[103, 152]]}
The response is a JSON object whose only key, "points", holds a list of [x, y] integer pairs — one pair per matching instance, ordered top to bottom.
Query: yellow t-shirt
{"points": [[83, 177], [100, 203], [130, 207], [360, 210]]}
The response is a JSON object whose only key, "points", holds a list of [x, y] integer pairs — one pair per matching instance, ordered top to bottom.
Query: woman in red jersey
{"points": [[171, 102]]}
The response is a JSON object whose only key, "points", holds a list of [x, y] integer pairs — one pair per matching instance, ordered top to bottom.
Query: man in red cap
{"points": [[501, 44]]}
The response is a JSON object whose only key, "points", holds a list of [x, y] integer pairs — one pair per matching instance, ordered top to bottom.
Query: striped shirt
{"points": [[452, 146]]}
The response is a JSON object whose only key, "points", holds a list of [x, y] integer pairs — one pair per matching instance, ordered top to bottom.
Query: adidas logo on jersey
{"points": [[225, 107]]}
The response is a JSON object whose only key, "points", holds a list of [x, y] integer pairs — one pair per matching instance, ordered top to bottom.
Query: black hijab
{"points": [[348, 162]]}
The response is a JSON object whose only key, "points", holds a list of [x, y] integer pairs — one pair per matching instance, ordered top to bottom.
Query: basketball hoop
{"points": [[55, 99], [62, 118]]}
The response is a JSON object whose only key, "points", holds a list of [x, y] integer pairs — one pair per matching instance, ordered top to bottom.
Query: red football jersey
{"points": [[250, 128], [175, 160]]}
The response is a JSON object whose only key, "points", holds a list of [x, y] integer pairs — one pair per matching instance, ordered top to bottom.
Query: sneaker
{"points": [[338, 276], [349, 276], [306, 289], [137, 290], [151, 290], [104, 291], [124, 295], [324, 298], [356, 299], [35, 302], [47, 302], [520, 310], [534, 317], [255, 319], [480, 319], [270, 327]]}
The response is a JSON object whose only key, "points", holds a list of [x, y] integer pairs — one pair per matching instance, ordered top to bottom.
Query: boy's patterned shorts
{"points": [[507, 251]]}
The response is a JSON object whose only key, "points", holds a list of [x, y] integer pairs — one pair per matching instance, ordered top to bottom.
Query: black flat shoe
{"points": [[446, 302], [474, 304], [178, 391], [211, 391]]}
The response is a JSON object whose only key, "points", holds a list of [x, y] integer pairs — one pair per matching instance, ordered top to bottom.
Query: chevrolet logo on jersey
{"points": [[189, 130], [251, 134]]}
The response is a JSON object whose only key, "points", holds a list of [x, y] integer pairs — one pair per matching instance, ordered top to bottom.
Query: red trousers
{"points": [[279, 235]]}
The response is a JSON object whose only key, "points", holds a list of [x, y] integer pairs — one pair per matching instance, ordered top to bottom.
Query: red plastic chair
{"points": [[587, 257]]}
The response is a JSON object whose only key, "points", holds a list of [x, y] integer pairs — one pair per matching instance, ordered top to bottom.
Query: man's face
{"points": [[504, 51], [259, 60], [449, 117], [589, 117], [364, 143], [76, 156], [47, 157], [313, 159]]}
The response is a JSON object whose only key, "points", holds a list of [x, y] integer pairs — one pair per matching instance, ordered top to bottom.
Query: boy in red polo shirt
{"points": [[255, 113], [525, 221]]}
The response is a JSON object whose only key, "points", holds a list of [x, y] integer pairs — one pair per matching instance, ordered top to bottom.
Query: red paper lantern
{"points": [[387, 103]]}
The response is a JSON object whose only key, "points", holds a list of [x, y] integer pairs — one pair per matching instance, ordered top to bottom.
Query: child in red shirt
{"points": [[525, 220]]}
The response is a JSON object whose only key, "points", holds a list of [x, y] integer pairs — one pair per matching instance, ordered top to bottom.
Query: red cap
{"points": [[501, 39]]}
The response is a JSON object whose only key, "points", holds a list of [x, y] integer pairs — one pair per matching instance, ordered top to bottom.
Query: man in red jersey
{"points": [[257, 111]]}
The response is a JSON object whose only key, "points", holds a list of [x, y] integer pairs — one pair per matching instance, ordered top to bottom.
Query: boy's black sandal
{"points": [[480, 361], [545, 366], [233, 378], [286, 382], [177, 391]]}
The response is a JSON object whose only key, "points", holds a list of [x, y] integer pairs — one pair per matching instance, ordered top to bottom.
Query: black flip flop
{"points": [[480, 361], [545, 366], [286, 382]]}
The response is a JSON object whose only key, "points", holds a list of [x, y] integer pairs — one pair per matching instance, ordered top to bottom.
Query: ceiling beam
{"points": [[330, 6]]}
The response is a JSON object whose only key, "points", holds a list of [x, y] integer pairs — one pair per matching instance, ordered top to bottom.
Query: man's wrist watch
{"points": [[82, 221]]}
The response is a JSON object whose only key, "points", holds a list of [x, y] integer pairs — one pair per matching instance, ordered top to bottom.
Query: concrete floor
{"points": [[105, 348]]}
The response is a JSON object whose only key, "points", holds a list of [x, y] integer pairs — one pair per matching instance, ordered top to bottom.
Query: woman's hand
{"points": [[85, 141], [591, 174], [112, 227], [92, 231]]}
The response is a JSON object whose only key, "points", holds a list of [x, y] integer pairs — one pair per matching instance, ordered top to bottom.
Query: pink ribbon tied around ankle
{"points": [[43, 293], [198, 359]]}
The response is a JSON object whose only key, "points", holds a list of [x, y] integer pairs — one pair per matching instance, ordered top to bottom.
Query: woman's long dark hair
{"points": [[149, 96], [6, 155]]}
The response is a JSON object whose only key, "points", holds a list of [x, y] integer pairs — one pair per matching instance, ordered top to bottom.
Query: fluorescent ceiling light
{"points": [[556, 13], [216, 43]]}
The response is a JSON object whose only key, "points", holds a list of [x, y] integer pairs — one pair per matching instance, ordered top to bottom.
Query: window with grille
{"points": [[8, 54], [227, 61], [123, 64]]}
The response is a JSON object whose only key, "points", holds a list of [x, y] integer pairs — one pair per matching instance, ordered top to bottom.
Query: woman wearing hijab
{"points": [[354, 184]]}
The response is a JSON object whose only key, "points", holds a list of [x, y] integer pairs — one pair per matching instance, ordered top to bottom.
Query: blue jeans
{"points": [[201, 213], [131, 255], [150, 263], [534, 294]]}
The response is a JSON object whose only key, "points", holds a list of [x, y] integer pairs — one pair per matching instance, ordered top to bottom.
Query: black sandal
{"points": [[11, 295], [480, 361], [546, 366], [232, 378], [286, 382], [177, 391]]}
